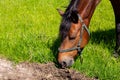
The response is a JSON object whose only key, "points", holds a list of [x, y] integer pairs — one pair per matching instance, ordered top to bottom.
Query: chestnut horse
{"points": [[74, 29]]}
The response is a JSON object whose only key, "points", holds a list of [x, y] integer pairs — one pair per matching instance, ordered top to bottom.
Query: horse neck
{"points": [[86, 9]]}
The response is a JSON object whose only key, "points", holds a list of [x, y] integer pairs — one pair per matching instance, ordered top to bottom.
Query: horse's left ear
{"points": [[60, 12], [74, 17]]}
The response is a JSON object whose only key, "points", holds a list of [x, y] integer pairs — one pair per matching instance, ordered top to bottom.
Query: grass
{"points": [[29, 32]]}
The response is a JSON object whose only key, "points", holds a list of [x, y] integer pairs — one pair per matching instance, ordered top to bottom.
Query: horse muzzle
{"points": [[66, 62]]}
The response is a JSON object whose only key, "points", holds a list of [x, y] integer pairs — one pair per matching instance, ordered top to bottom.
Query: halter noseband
{"points": [[80, 40]]}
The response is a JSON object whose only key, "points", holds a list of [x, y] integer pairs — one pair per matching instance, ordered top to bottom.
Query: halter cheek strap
{"points": [[80, 40]]}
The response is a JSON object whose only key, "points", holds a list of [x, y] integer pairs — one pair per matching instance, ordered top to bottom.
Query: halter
{"points": [[80, 40]]}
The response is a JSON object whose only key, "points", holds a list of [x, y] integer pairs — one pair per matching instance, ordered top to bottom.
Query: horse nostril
{"points": [[64, 64]]}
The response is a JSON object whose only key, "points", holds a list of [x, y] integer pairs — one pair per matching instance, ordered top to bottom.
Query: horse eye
{"points": [[72, 35], [72, 38]]}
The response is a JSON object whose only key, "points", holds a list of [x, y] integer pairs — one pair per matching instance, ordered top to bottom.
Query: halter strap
{"points": [[83, 24], [80, 40]]}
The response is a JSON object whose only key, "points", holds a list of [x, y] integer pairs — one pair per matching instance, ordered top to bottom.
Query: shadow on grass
{"points": [[107, 37], [54, 49]]}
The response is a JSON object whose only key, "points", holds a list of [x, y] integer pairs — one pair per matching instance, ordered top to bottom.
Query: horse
{"points": [[74, 29]]}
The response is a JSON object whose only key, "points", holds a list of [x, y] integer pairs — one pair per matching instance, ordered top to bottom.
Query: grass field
{"points": [[29, 32]]}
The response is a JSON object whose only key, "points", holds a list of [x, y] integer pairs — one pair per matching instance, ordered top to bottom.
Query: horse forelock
{"points": [[66, 20]]}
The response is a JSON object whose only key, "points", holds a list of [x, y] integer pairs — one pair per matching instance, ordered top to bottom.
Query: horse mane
{"points": [[66, 18]]}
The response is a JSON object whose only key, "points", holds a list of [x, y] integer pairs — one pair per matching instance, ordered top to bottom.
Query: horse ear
{"points": [[60, 12], [74, 17]]}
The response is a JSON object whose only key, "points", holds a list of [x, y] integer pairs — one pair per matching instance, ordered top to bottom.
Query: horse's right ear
{"points": [[60, 12]]}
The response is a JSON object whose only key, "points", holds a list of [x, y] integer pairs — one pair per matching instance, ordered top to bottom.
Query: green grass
{"points": [[29, 32]]}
